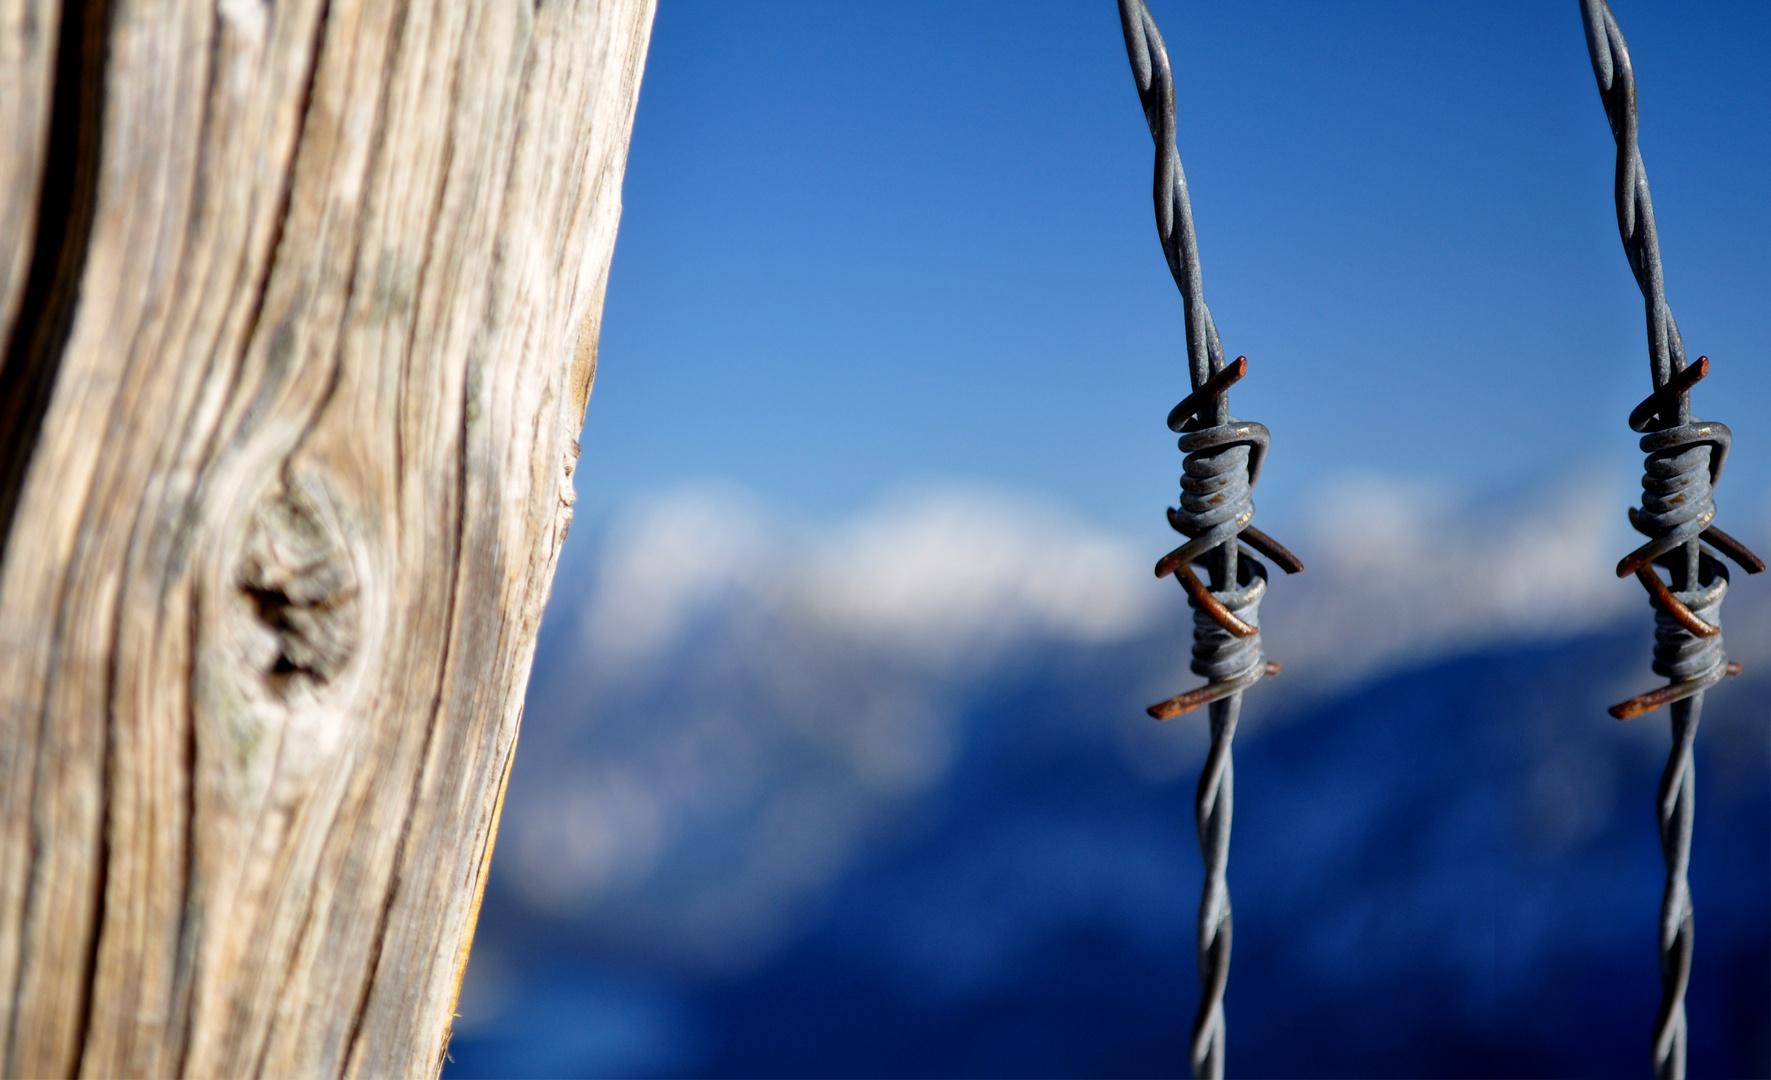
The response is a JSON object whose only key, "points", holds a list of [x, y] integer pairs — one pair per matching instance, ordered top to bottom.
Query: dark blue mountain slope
{"points": [[1452, 871]]}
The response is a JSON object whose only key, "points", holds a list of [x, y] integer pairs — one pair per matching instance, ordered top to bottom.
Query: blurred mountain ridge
{"points": [[784, 837]]}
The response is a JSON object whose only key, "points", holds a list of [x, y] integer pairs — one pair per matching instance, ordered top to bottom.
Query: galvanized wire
{"points": [[1635, 211], [1174, 212], [1224, 457], [1684, 462]]}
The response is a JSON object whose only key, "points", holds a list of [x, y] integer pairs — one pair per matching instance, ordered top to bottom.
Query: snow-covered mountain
{"points": [[880, 799]]}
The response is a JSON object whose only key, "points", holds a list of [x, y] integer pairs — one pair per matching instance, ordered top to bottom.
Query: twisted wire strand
{"points": [[1635, 211], [1174, 212], [1684, 459], [1223, 461], [1225, 658], [1212, 807], [1675, 809]]}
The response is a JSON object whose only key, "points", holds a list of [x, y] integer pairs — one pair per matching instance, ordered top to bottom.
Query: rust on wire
{"points": [[1665, 401], [1196, 402], [1661, 411], [1713, 536], [1254, 538], [1727, 545], [1658, 546], [1193, 549], [1273, 549], [1664, 599], [1212, 605], [1208, 693], [1666, 695]]}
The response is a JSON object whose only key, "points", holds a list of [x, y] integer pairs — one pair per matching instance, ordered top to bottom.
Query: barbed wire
{"points": [[1224, 457], [1684, 462]]}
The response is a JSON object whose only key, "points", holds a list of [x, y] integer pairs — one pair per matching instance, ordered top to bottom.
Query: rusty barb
{"points": [[1204, 403], [1661, 411], [1672, 434], [1224, 458], [1223, 462], [1679, 485]]}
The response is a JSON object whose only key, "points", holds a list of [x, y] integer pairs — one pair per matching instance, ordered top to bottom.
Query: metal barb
{"points": [[1223, 462], [1684, 462]]}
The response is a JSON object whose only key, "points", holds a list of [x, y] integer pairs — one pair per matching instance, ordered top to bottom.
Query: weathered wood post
{"points": [[299, 305]]}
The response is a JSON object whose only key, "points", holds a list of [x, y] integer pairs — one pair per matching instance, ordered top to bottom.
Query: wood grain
{"points": [[290, 508]]}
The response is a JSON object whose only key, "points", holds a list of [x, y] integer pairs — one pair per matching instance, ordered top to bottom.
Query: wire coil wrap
{"points": [[1224, 458], [1678, 483], [1220, 654], [1681, 655]]}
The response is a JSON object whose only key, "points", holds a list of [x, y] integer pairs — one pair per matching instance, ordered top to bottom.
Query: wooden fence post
{"points": [[299, 305]]}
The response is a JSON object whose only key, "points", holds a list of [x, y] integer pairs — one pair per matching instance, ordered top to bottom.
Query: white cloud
{"points": [[668, 558], [954, 571], [1402, 571], [937, 574]]}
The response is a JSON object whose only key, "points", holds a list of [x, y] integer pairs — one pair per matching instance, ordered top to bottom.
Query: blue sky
{"points": [[870, 245]]}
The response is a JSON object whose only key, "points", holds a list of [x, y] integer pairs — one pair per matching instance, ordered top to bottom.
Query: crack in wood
{"points": [[67, 197]]}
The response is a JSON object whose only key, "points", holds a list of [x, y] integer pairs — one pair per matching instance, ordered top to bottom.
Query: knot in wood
{"points": [[297, 576]]}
